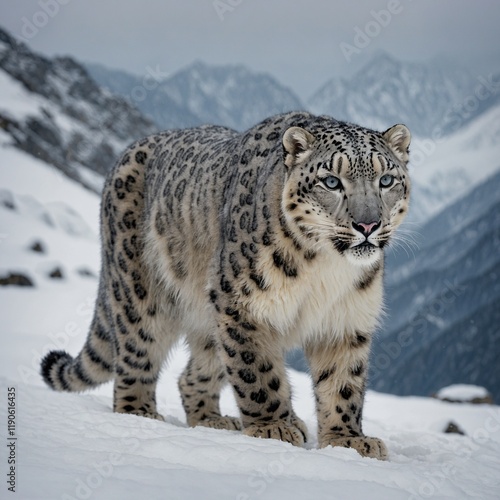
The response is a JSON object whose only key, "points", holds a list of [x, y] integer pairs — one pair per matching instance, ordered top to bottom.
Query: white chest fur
{"points": [[322, 301]]}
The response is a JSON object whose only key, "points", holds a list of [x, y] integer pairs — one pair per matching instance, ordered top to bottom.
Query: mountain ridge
{"points": [[230, 95], [430, 98]]}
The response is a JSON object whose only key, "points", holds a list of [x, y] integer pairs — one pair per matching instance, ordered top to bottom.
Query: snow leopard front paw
{"points": [[142, 413], [218, 422], [282, 430], [366, 446]]}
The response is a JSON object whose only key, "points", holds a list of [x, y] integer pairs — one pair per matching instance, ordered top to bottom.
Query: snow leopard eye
{"points": [[386, 180], [332, 182]]}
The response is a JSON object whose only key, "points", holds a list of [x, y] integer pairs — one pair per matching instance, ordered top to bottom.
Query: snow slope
{"points": [[72, 446]]}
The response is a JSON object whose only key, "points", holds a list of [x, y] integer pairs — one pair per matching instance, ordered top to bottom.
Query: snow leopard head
{"points": [[346, 186]]}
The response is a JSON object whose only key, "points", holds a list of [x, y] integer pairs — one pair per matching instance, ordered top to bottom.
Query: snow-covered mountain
{"points": [[230, 95], [432, 99], [53, 110], [446, 170], [72, 445]]}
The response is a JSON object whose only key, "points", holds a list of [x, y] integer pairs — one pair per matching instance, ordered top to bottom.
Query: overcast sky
{"points": [[303, 43]]}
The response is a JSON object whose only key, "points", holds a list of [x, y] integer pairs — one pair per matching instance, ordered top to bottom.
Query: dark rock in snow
{"points": [[7, 200], [38, 247], [56, 273], [87, 273], [15, 279], [453, 428]]}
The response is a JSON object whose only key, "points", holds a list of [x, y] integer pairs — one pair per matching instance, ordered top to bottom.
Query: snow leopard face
{"points": [[347, 186]]}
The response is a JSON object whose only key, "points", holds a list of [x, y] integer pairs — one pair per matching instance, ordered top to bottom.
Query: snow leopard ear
{"points": [[398, 139], [297, 143]]}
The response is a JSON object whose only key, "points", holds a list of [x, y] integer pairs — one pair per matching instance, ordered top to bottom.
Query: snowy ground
{"points": [[71, 446]]}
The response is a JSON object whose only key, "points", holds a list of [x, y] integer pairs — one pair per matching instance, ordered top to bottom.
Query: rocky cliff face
{"points": [[52, 109]]}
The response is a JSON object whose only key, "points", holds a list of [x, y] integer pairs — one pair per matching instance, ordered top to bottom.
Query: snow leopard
{"points": [[246, 244]]}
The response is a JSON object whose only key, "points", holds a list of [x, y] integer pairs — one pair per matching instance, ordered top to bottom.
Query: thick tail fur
{"points": [[93, 366]]}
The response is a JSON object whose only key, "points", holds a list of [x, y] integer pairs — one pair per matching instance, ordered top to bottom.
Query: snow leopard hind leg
{"points": [[143, 311], [134, 325], [200, 385]]}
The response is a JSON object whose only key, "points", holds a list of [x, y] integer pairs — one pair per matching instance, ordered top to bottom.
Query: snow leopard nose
{"points": [[366, 229]]}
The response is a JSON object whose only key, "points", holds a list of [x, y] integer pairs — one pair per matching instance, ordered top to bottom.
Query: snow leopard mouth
{"points": [[365, 244], [361, 249], [364, 253]]}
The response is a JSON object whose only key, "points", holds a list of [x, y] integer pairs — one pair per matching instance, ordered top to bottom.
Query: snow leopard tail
{"points": [[93, 366]]}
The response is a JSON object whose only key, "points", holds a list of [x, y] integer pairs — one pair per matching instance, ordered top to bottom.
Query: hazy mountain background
{"points": [[427, 97], [443, 296]]}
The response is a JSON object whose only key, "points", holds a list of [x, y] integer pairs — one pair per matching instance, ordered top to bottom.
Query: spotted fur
{"points": [[249, 244]]}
